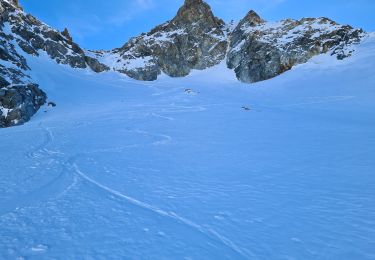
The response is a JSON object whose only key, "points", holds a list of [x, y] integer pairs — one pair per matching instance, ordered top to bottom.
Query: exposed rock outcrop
{"points": [[67, 35], [34, 36], [193, 39], [257, 50], [261, 50], [20, 98], [18, 103]]}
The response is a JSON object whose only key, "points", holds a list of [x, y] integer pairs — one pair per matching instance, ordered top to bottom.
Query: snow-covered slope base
{"points": [[202, 167]]}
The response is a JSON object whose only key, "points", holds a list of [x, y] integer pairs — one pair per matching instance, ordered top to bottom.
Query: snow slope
{"points": [[147, 170]]}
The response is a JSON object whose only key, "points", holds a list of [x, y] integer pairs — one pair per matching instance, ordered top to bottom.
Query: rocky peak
{"points": [[193, 3], [194, 11], [252, 19], [67, 35], [193, 39], [255, 49], [260, 50]]}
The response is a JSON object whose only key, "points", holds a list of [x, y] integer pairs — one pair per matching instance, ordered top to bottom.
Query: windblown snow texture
{"points": [[201, 167]]}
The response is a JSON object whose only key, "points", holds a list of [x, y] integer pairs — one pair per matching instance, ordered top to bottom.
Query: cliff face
{"points": [[19, 97]]}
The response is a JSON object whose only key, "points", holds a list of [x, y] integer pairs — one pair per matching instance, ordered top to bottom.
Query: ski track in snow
{"points": [[164, 139], [58, 187], [54, 188], [47, 190], [251, 213], [169, 215]]}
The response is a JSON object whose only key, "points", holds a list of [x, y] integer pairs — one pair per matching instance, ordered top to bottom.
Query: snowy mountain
{"points": [[21, 36], [194, 39], [257, 50], [262, 50], [203, 166], [199, 167]]}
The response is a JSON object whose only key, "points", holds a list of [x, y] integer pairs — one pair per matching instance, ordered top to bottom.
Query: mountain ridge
{"points": [[195, 39], [141, 57]]}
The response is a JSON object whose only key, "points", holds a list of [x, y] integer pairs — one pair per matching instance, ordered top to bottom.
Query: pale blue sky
{"points": [[99, 24]]}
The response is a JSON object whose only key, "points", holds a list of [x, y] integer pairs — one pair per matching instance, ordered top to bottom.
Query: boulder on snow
{"points": [[51, 104]]}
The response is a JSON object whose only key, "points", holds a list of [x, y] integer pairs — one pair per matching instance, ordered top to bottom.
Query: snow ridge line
{"points": [[171, 215]]}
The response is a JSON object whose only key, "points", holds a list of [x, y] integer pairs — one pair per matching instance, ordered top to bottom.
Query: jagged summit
{"points": [[193, 2], [196, 11], [252, 19], [67, 35], [193, 39], [257, 50]]}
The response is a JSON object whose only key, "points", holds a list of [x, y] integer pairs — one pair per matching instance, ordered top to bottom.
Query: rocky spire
{"points": [[193, 2], [195, 11], [252, 19], [66, 34]]}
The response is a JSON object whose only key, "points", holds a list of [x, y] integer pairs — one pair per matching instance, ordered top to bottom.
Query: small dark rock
{"points": [[66, 34], [51, 104]]}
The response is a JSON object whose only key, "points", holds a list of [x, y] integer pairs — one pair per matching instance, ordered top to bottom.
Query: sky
{"points": [[100, 24]]}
